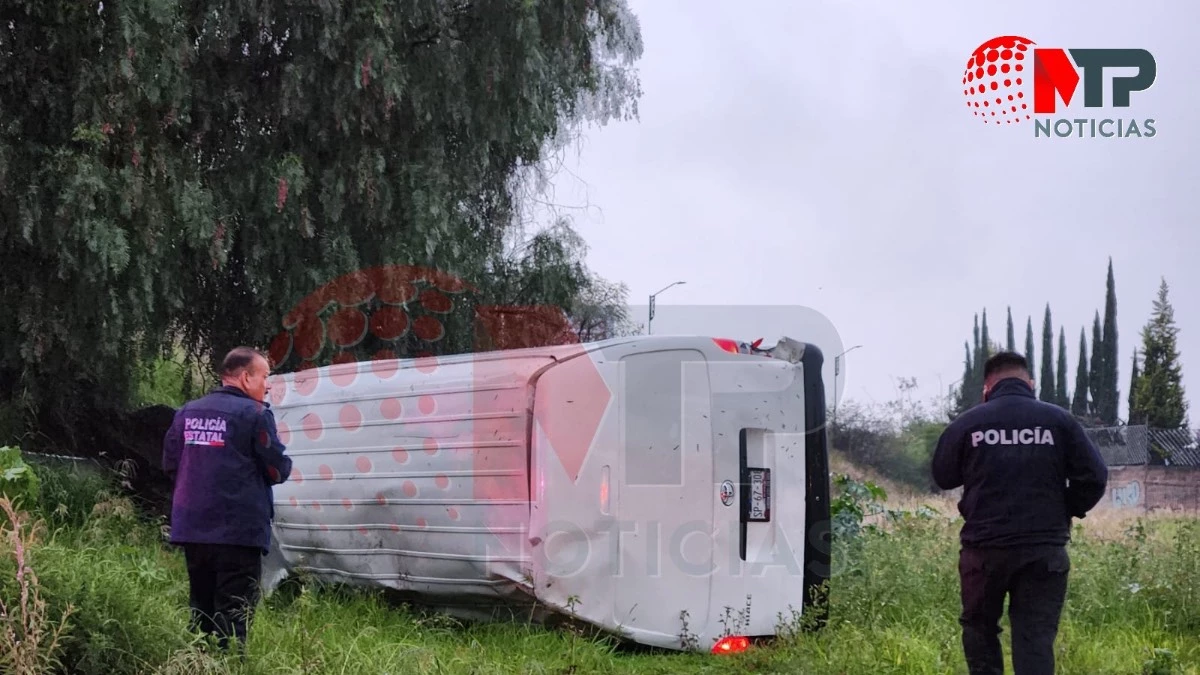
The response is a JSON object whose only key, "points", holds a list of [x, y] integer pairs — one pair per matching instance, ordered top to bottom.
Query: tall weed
{"points": [[30, 632]]}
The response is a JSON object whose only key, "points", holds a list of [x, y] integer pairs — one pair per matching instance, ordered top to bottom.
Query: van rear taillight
{"points": [[728, 345], [739, 347], [732, 644]]}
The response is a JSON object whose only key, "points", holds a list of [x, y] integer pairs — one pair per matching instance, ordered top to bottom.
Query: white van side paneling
{"points": [[413, 478]]}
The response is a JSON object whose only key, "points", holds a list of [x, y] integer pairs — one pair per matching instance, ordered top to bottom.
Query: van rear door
{"points": [[761, 463], [664, 498]]}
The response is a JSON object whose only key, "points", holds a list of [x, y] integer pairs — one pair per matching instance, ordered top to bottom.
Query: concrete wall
{"points": [[1151, 488]]}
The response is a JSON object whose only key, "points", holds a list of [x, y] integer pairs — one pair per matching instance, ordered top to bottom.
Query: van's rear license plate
{"points": [[758, 506]]}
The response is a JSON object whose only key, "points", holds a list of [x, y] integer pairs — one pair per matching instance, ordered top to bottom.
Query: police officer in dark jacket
{"points": [[223, 454], [1026, 469]]}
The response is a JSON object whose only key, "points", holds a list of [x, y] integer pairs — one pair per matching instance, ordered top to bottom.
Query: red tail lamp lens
{"points": [[730, 346], [733, 644]]}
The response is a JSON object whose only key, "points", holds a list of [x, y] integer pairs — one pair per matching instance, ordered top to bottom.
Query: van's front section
{"points": [[771, 485]]}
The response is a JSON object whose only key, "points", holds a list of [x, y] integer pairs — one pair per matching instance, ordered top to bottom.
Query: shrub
{"points": [[167, 380], [898, 445], [18, 482], [70, 491], [104, 567]]}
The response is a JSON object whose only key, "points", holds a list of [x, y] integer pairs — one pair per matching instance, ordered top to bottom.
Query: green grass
{"points": [[894, 608]]}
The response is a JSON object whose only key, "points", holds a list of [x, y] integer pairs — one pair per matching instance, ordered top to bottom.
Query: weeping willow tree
{"points": [[186, 173]]}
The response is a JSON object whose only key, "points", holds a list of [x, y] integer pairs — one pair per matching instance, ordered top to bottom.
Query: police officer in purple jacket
{"points": [[223, 454], [1026, 468]]}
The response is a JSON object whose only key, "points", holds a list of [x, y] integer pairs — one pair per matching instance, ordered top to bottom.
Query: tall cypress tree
{"points": [[985, 343], [1011, 343], [1029, 343], [975, 351], [1111, 354], [976, 364], [977, 371], [1096, 376], [967, 379], [970, 390], [1047, 392], [967, 393], [1063, 399], [1159, 401], [1079, 406], [1134, 416]]}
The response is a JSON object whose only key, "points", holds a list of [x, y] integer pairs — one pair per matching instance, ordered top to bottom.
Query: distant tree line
{"points": [[1155, 394]]}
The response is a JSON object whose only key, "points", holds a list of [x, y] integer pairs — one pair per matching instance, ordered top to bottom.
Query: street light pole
{"points": [[650, 320], [837, 369], [950, 389], [950, 397]]}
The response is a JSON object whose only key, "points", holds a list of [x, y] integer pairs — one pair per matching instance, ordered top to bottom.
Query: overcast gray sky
{"points": [[821, 154]]}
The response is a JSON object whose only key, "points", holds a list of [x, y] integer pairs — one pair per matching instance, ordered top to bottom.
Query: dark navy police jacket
{"points": [[223, 454], [1026, 468]]}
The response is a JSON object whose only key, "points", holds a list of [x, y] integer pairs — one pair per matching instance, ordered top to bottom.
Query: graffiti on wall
{"points": [[1127, 495]]}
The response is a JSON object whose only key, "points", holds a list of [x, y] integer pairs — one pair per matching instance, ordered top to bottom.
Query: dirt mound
{"points": [[899, 495]]}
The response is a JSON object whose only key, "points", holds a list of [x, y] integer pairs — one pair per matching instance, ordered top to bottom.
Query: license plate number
{"points": [[758, 498]]}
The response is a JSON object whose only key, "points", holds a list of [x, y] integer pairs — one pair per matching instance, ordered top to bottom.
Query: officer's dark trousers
{"points": [[1035, 581], [224, 589]]}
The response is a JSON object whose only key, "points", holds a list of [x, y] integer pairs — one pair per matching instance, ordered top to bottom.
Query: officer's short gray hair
{"points": [[239, 359]]}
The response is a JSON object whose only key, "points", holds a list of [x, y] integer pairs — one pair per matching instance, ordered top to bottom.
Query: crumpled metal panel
{"points": [[408, 475]]}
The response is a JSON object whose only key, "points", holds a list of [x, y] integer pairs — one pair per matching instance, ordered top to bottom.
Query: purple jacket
{"points": [[223, 454]]}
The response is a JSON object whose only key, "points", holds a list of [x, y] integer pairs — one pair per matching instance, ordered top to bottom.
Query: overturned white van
{"points": [[654, 487]]}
